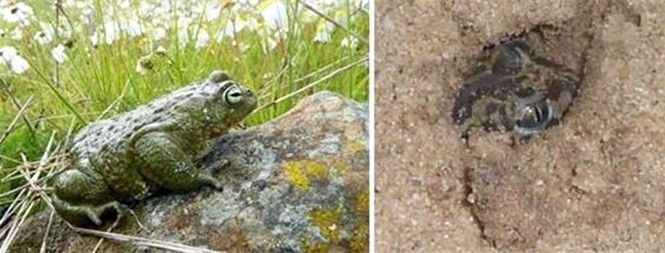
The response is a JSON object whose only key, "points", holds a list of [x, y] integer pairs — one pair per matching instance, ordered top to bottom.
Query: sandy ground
{"points": [[595, 182]]}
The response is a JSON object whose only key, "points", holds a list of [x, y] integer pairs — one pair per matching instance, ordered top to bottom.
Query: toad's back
{"points": [[103, 149]]}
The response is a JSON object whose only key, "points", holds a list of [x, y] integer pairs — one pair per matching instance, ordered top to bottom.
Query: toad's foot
{"points": [[81, 215]]}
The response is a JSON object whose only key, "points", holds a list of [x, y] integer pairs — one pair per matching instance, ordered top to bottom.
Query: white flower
{"points": [[248, 2], [330, 2], [69, 3], [84, 4], [124, 4], [146, 8], [158, 8], [196, 8], [87, 11], [108, 12], [212, 12], [17, 13], [275, 16], [309, 16], [184, 22], [251, 23], [239, 25], [132, 27], [231, 29], [111, 30], [323, 31], [224, 32], [158, 33], [17, 34], [46, 34], [183, 36], [322, 36], [42, 38], [94, 39], [202, 39], [350, 41], [269, 44], [160, 50], [7, 53], [59, 54], [9, 56], [19, 65]]}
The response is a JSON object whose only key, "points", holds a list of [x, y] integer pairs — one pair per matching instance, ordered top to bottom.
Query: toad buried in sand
{"points": [[514, 89]]}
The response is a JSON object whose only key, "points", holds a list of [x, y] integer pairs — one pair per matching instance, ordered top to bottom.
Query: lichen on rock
{"points": [[298, 183]]}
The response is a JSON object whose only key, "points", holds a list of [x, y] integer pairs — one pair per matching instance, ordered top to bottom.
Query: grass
{"points": [[98, 81]]}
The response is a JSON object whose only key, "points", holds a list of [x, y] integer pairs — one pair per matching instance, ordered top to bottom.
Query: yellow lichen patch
{"points": [[354, 146], [341, 166], [315, 169], [301, 173], [296, 176], [362, 204], [332, 221], [329, 223], [360, 239], [314, 247]]}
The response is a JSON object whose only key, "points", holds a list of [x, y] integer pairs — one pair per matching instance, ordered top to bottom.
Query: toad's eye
{"points": [[232, 94], [534, 116]]}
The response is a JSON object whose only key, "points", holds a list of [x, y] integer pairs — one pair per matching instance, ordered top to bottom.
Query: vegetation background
{"points": [[66, 63]]}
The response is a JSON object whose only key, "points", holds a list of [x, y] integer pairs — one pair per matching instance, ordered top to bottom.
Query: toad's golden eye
{"points": [[232, 94], [534, 116]]}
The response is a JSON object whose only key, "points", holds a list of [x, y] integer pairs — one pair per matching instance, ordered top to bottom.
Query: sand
{"points": [[595, 182]]}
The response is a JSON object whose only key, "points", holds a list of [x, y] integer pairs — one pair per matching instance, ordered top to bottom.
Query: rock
{"points": [[298, 183]]}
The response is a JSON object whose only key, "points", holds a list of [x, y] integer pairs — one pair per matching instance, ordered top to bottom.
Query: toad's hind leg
{"points": [[165, 164], [81, 199]]}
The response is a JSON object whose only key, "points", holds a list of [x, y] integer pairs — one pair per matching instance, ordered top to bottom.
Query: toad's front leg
{"points": [[164, 163]]}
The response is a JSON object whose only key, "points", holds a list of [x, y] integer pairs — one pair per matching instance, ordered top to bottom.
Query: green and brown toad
{"points": [[514, 89], [126, 158]]}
